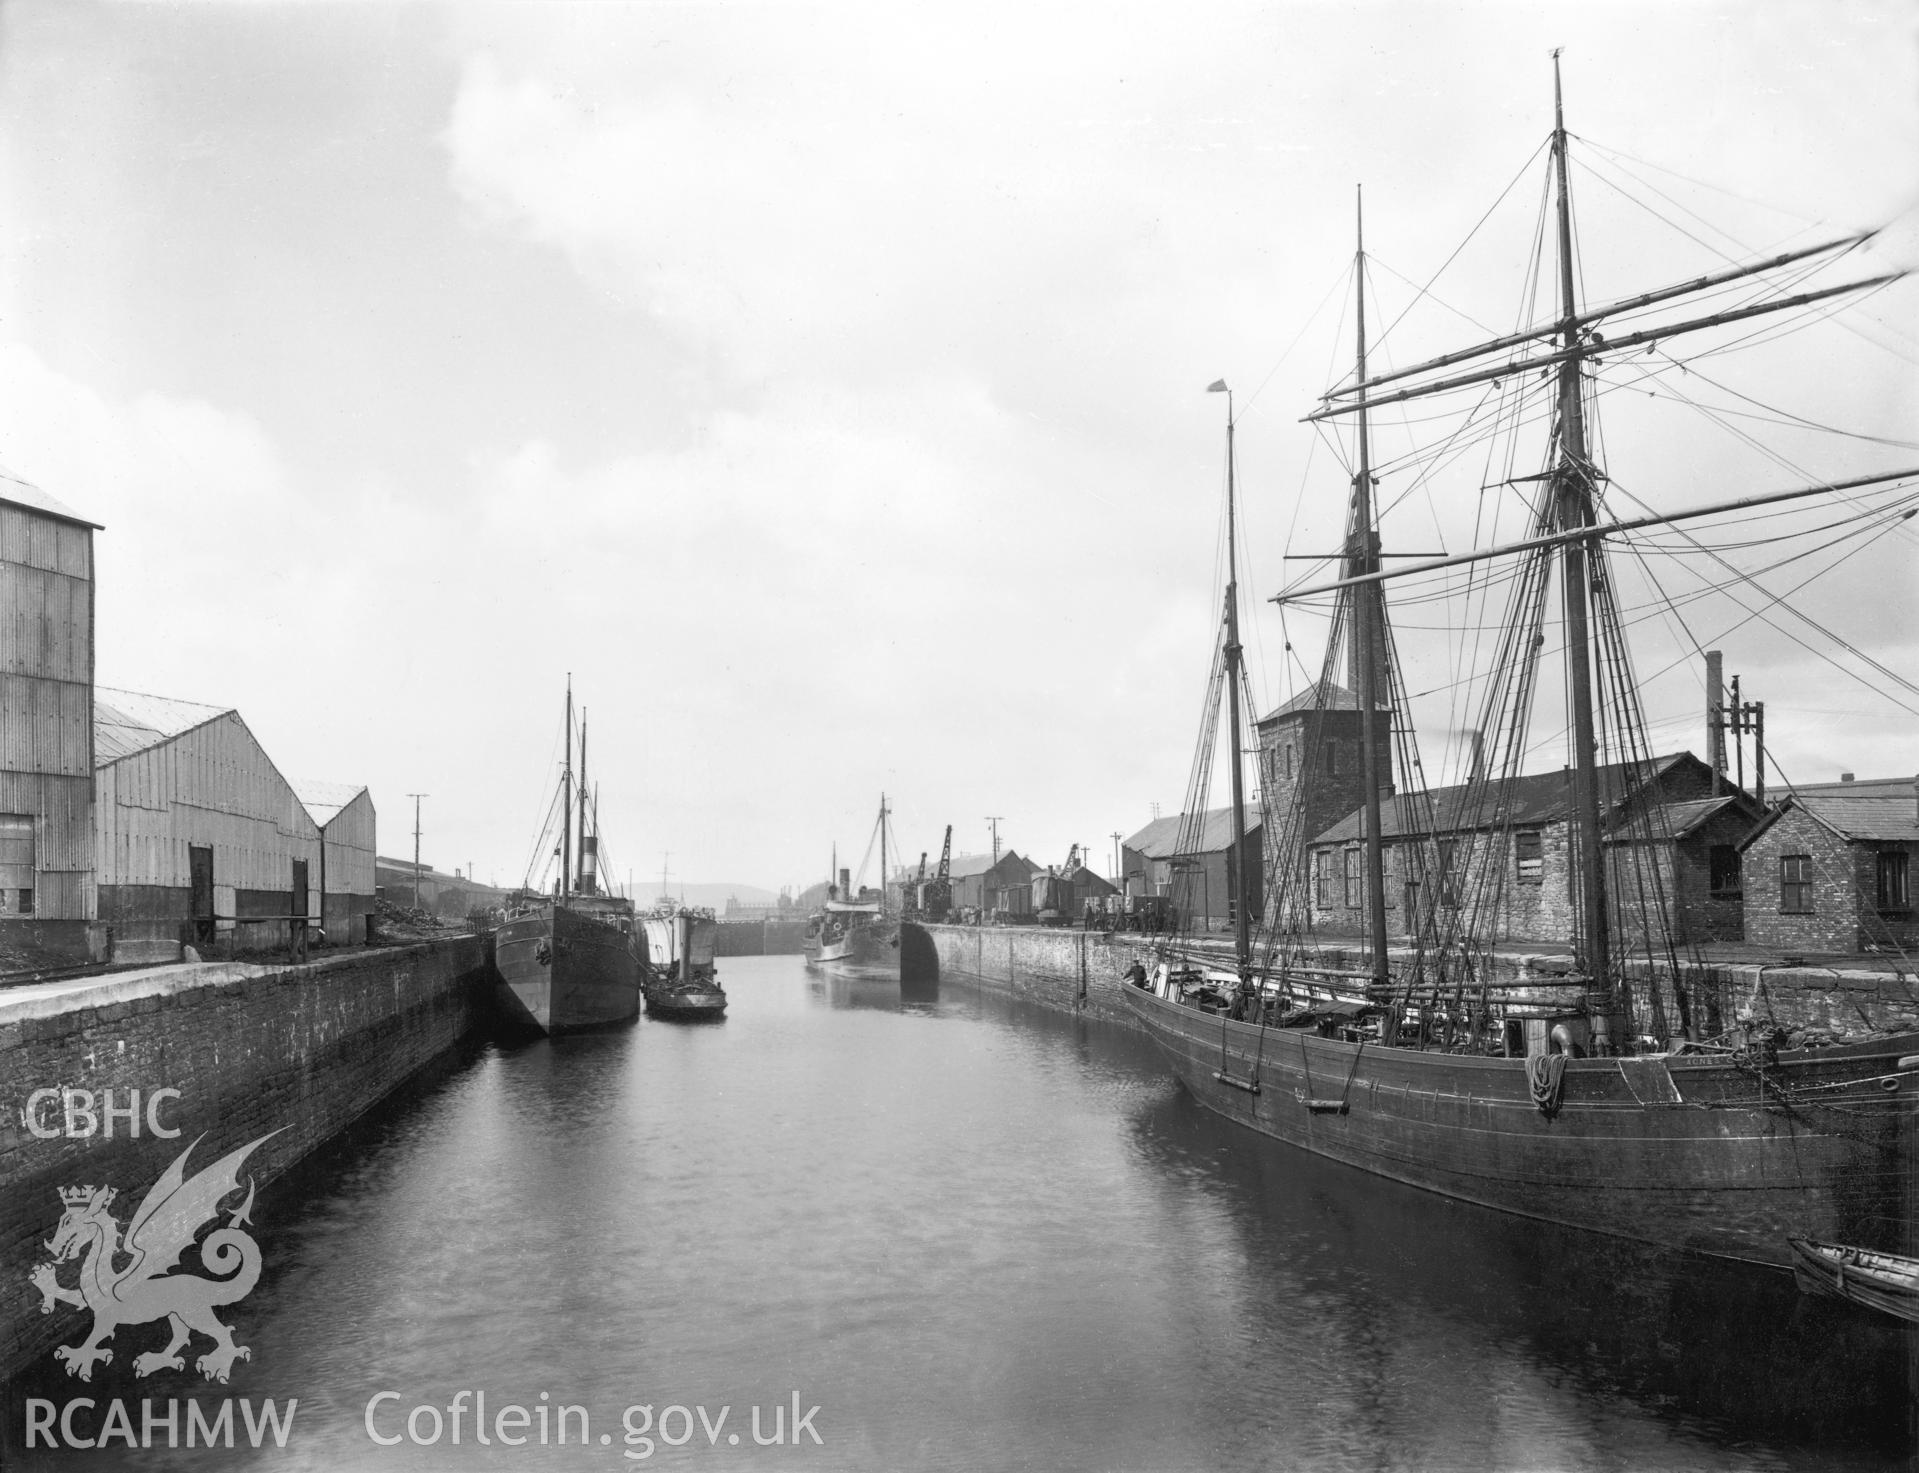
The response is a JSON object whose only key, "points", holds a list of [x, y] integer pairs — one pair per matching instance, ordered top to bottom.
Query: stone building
{"points": [[1312, 774], [1499, 862], [1196, 869], [1830, 869]]}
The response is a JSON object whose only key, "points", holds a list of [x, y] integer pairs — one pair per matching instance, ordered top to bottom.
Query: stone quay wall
{"points": [[757, 938], [1071, 970], [1080, 971], [303, 1051]]}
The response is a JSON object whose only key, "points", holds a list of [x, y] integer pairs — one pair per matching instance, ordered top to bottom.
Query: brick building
{"points": [[1500, 861], [1830, 869], [1196, 870]]}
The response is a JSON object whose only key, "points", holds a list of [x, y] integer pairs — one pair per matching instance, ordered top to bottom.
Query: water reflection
{"points": [[979, 1235], [1390, 1282]]}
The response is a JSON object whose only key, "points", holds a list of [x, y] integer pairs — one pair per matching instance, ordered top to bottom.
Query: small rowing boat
{"points": [[1888, 1282]]}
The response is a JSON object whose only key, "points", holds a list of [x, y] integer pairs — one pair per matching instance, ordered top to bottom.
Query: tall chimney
{"points": [[1715, 717], [1479, 755]]}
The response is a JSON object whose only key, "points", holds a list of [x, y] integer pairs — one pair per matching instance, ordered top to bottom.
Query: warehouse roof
{"points": [[17, 492], [125, 721], [1871, 787], [1534, 798], [323, 800], [1160, 838], [965, 866]]}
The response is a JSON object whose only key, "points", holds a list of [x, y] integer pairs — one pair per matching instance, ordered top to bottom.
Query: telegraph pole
{"points": [[416, 797], [994, 820], [1116, 873]]}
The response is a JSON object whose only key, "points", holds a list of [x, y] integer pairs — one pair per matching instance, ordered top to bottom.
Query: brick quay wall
{"points": [[1080, 971], [302, 1050]]}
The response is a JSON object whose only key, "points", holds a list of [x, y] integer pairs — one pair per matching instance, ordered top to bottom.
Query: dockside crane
{"points": [[936, 895]]}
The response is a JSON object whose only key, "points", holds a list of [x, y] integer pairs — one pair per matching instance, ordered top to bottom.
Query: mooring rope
{"points": [[1546, 1077]]}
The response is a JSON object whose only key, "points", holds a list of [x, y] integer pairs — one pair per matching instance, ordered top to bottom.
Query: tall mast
{"points": [[1572, 493], [1368, 636], [566, 799], [882, 854], [579, 869], [1242, 939]]}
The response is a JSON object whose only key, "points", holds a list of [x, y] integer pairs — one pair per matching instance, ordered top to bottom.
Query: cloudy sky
{"points": [[821, 384]]}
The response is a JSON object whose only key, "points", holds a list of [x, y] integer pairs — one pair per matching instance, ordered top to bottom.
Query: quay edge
{"points": [[1077, 971], [303, 1050]]}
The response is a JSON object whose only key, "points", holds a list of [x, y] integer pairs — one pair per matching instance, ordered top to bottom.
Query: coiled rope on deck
{"points": [[1546, 1077]]}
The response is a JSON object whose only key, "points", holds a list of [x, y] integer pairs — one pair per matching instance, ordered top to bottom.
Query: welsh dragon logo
{"points": [[140, 1289]]}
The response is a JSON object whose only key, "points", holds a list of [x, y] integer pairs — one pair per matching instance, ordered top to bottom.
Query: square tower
{"points": [[1312, 774]]}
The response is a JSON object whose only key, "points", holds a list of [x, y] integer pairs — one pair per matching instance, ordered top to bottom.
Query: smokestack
{"points": [[1715, 716], [1479, 755], [589, 863]]}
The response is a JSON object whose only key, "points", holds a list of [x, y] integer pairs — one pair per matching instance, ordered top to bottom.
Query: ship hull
{"points": [[864, 945], [819, 952], [561, 971], [680, 979], [705, 1005], [1694, 1152]]}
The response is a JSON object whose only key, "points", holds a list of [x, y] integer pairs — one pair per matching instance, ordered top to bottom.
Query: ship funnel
{"points": [[589, 863]]}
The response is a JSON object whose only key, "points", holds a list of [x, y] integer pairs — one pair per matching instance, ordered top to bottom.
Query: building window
{"points": [[1329, 759], [1529, 861], [16, 864], [1890, 866], [1723, 871], [1323, 878], [1795, 884], [1355, 891], [1448, 895]]}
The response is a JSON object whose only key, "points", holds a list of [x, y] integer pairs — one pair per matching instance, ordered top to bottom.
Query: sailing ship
{"points": [[853, 924], [570, 960], [678, 976], [1602, 1099]]}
